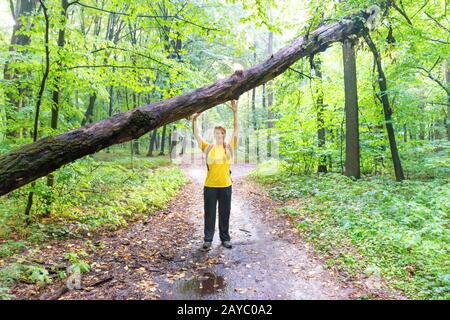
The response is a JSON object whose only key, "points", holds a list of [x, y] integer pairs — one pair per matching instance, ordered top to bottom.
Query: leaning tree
{"points": [[44, 156]]}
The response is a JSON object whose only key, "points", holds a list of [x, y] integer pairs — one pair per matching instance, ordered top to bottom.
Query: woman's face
{"points": [[219, 135]]}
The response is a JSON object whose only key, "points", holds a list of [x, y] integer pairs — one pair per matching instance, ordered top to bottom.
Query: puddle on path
{"points": [[202, 285]]}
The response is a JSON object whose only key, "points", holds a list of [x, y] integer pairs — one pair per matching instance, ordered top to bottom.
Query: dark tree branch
{"points": [[420, 9], [13, 11], [401, 11], [176, 16], [438, 23], [134, 53], [111, 66], [46, 71], [300, 73], [429, 74]]}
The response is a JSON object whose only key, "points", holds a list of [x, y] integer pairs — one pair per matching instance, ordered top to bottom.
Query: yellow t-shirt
{"points": [[219, 167]]}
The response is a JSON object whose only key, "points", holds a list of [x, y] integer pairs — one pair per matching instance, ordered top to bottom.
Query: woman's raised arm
{"points": [[234, 107], [197, 135]]}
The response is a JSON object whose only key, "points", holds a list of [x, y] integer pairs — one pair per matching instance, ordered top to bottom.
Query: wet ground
{"points": [[159, 257], [267, 261]]}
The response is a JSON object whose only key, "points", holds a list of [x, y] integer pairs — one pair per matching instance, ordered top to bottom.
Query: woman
{"points": [[218, 184]]}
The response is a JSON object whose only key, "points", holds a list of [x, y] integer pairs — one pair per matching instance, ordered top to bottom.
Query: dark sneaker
{"points": [[227, 244], [206, 245]]}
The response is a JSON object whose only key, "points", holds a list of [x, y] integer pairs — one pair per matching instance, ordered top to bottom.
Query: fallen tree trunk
{"points": [[38, 159]]}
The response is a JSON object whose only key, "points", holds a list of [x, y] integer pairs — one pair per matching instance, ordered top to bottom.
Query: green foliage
{"points": [[426, 159], [104, 191], [101, 192], [375, 226], [9, 247], [77, 264], [15, 272], [37, 275], [4, 295]]}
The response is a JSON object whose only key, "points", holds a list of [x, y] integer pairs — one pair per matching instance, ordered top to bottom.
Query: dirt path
{"points": [[160, 258], [268, 261]]}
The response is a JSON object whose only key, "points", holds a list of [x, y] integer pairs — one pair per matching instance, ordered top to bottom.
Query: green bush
{"points": [[373, 225]]}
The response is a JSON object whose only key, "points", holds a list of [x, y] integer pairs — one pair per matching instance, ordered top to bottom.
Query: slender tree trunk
{"points": [[316, 66], [447, 83], [56, 94], [40, 97], [269, 99], [90, 110], [387, 110], [255, 123], [247, 132], [405, 133], [163, 140], [136, 141], [184, 142], [341, 143], [151, 146], [352, 161]]}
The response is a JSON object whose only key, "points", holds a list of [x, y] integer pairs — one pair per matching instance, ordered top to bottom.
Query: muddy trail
{"points": [[160, 257], [267, 261]]}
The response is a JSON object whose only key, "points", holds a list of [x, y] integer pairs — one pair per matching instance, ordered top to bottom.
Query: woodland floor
{"points": [[159, 258]]}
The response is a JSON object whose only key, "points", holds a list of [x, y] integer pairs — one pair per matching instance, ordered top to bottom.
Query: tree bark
{"points": [[316, 65], [447, 83], [57, 91], [40, 96], [269, 97], [90, 110], [247, 132], [163, 140], [151, 145], [38, 159], [352, 162], [399, 176]]}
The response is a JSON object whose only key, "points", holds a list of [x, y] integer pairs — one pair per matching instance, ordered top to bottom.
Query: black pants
{"points": [[211, 196]]}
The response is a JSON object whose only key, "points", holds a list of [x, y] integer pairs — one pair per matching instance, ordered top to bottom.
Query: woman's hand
{"points": [[234, 105], [195, 116]]}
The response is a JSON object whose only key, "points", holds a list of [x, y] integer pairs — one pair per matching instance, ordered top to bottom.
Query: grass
{"points": [[104, 191], [375, 226]]}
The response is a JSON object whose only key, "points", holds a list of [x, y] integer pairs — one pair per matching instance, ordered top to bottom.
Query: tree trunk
{"points": [[447, 83], [57, 92], [39, 98], [269, 100], [90, 110], [387, 110], [255, 124], [247, 132], [163, 140], [136, 141], [183, 142], [151, 146], [38, 159], [352, 162], [322, 166]]}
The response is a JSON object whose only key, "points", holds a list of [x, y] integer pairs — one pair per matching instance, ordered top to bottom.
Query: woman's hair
{"points": [[223, 129]]}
